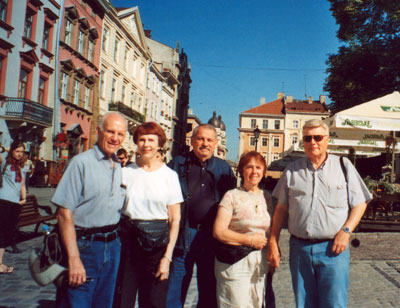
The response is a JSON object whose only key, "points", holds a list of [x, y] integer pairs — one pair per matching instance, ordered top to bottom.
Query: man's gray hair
{"points": [[106, 115], [314, 123], [206, 126]]}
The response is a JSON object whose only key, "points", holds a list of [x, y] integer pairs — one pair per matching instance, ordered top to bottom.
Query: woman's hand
{"points": [[22, 202], [258, 241], [163, 269]]}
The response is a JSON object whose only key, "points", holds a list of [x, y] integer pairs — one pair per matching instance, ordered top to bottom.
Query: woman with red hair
{"points": [[150, 222], [242, 226]]}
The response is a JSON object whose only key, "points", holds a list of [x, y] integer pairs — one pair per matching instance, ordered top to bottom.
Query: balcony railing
{"points": [[28, 110], [127, 111]]}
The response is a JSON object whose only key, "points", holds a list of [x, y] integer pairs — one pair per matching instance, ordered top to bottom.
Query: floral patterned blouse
{"points": [[249, 210]]}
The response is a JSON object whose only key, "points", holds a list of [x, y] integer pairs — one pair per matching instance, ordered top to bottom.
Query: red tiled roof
{"points": [[274, 107], [306, 107]]}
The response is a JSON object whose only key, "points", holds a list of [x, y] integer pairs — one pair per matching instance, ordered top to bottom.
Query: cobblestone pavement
{"points": [[374, 273]]}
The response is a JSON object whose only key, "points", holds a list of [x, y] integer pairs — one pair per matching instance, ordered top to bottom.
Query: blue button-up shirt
{"points": [[91, 188], [318, 199]]}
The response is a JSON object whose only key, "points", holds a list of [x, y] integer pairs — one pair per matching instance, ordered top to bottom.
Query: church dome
{"points": [[214, 120], [221, 123]]}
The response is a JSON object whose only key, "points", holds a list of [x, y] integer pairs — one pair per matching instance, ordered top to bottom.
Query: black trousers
{"points": [[9, 216], [137, 276]]}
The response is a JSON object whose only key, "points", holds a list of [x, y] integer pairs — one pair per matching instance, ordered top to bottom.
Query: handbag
{"points": [[150, 234], [231, 254], [45, 263]]}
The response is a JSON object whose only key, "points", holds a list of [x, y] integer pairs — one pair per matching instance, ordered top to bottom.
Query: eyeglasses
{"points": [[317, 138]]}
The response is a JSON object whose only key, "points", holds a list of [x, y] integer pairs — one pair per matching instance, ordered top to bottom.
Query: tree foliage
{"points": [[367, 64]]}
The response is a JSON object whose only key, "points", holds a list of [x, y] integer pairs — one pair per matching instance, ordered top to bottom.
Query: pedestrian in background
{"points": [[123, 158], [204, 179], [315, 196], [12, 197], [89, 198], [150, 222], [242, 229]]}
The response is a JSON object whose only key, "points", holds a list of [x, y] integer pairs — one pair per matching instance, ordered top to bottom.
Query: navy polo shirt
{"points": [[202, 204]]}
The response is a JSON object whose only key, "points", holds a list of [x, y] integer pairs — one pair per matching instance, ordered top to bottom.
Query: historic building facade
{"points": [[28, 48], [79, 61], [124, 68], [279, 124]]}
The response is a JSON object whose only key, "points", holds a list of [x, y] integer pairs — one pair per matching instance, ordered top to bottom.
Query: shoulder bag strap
{"points": [[345, 177]]}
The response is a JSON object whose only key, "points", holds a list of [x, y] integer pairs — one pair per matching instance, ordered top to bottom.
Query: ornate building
{"points": [[28, 48], [219, 125]]}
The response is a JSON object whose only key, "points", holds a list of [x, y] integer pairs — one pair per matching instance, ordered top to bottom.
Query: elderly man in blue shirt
{"points": [[315, 197], [89, 198]]}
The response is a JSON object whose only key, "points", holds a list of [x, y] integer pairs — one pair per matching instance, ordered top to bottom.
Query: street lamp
{"points": [[256, 135]]}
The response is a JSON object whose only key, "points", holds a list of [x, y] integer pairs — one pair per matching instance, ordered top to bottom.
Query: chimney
{"points": [[147, 33], [280, 95], [289, 99], [310, 99], [322, 99], [262, 101]]}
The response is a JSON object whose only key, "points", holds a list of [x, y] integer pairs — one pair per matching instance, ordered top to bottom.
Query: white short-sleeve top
{"points": [[150, 193]]}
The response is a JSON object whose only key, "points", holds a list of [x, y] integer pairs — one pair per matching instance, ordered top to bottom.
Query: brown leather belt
{"points": [[311, 240]]}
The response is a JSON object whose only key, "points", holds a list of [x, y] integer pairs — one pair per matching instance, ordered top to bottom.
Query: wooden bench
{"points": [[30, 214]]}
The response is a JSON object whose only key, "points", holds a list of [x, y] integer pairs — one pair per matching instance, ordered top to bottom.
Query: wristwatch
{"points": [[346, 229]]}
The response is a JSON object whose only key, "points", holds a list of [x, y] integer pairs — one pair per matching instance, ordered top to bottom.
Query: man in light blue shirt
{"points": [[313, 195], [89, 199]]}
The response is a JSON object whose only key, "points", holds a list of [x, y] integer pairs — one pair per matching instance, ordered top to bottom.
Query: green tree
{"points": [[367, 64]]}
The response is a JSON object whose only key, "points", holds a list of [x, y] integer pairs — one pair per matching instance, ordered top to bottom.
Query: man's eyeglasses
{"points": [[317, 138]]}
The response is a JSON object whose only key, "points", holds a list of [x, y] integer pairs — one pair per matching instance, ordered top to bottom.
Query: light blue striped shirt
{"points": [[91, 188], [317, 199]]}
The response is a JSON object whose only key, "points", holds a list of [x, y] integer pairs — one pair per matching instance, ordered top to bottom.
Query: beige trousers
{"points": [[241, 285]]}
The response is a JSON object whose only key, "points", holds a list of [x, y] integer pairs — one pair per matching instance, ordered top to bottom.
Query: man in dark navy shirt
{"points": [[204, 180]]}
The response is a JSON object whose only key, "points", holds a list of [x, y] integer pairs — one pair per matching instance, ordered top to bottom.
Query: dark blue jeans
{"points": [[202, 254], [101, 261]]}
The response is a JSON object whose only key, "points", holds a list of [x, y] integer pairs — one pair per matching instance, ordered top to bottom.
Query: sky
{"points": [[240, 51]]}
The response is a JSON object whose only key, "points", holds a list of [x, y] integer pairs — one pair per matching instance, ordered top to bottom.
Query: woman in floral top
{"points": [[243, 221]]}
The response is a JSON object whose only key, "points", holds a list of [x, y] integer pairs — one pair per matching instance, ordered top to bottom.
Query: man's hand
{"points": [[341, 242], [273, 255], [76, 271]]}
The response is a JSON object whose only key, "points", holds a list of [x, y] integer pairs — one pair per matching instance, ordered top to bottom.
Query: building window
{"points": [[3, 10], [28, 28], [68, 32], [46, 36], [81, 41], [104, 42], [116, 49], [90, 50], [126, 59], [102, 82], [23, 83], [113, 84], [42, 85], [64, 85], [77, 88], [123, 93], [87, 97], [133, 98], [253, 123], [265, 124], [277, 124], [295, 124], [294, 139], [252, 141], [264, 142], [276, 142], [275, 157]]}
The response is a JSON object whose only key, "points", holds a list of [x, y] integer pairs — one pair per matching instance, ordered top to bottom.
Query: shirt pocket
{"points": [[337, 196]]}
